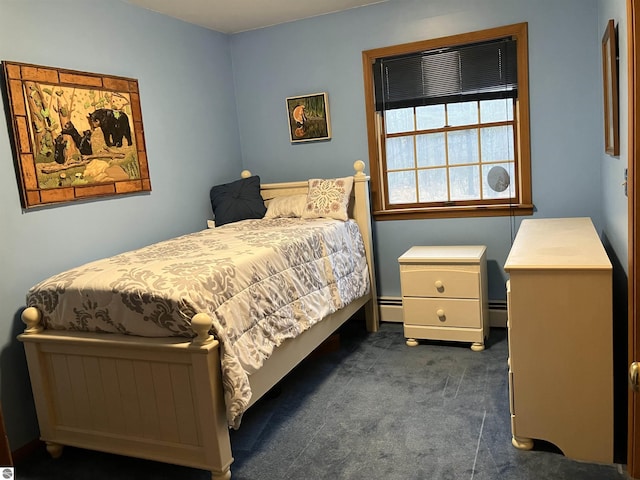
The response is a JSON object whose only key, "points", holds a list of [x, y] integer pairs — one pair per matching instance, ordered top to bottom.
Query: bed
{"points": [[166, 395]]}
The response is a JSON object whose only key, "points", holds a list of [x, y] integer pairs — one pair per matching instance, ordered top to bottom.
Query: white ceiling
{"points": [[233, 16]]}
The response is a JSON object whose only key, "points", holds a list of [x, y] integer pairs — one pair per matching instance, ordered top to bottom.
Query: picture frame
{"points": [[610, 86], [308, 117], [76, 135]]}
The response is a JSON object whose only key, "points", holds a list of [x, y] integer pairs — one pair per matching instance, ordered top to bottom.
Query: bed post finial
{"points": [[358, 166], [245, 174], [31, 317], [201, 324]]}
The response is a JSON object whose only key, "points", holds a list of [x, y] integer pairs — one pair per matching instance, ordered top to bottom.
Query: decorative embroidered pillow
{"points": [[328, 198], [237, 200], [291, 206]]}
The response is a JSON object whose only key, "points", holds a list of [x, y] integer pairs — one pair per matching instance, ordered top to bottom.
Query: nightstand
{"points": [[444, 294]]}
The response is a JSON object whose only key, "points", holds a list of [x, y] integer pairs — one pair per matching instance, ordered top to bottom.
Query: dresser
{"points": [[444, 294], [559, 297]]}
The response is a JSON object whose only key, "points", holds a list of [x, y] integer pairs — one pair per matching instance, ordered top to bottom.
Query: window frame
{"points": [[522, 143]]}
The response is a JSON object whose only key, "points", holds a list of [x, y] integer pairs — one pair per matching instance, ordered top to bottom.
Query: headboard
{"points": [[359, 210]]}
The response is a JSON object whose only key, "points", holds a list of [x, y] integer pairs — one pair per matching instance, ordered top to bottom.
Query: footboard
{"points": [[154, 398]]}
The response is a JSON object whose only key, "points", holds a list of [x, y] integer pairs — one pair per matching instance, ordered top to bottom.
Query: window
{"points": [[448, 126]]}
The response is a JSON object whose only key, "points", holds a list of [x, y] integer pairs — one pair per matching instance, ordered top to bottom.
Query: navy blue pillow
{"points": [[239, 200]]}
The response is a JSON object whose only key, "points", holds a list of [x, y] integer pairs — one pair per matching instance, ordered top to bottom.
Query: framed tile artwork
{"points": [[76, 135]]}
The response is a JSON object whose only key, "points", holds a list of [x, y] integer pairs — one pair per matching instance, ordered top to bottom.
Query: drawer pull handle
{"points": [[439, 285], [440, 314]]}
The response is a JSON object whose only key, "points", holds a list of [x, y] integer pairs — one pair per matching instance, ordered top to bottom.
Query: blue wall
{"points": [[325, 54], [186, 89], [213, 104], [614, 202]]}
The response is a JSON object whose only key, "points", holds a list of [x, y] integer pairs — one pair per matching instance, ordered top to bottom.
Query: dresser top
{"points": [[550, 243], [443, 254]]}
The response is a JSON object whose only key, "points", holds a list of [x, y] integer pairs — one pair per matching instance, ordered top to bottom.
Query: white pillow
{"points": [[328, 198], [286, 206]]}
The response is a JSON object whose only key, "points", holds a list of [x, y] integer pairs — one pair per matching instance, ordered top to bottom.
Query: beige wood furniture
{"points": [[444, 294], [560, 338], [162, 398]]}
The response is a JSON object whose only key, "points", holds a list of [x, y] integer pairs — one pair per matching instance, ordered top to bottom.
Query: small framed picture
{"points": [[610, 85], [309, 118]]}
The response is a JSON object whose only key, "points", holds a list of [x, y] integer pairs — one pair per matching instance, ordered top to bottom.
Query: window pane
{"points": [[500, 110], [465, 113], [430, 116], [399, 120], [497, 143], [463, 146], [430, 150], [400, 153], [497, 181], [465, 183], [433, 185], [402, 187]]}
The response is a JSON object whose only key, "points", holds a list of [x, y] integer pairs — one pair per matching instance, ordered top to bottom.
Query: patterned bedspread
{"points": [[261, 281]]}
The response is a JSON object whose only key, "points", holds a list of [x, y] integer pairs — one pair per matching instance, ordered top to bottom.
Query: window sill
{"points": [[454, 212]]}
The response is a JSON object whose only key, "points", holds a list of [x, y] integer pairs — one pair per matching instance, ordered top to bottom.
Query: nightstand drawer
{"points": [[419, 281], [441, 312]]}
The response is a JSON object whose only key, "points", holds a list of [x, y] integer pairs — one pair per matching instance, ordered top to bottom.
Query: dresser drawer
{"points": [[421, 281], [441, 312]]}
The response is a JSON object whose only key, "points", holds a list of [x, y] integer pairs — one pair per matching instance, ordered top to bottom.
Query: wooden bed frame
{"points": [[161, 398]]}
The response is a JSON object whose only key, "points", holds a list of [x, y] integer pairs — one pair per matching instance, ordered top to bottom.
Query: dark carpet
{"points": [[370, 408]]}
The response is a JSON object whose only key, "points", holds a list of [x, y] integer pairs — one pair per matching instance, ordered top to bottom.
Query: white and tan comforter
{"points": [[261, 281]]}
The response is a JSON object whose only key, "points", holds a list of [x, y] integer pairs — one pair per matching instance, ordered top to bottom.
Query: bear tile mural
{"points": [[76, 135]]}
